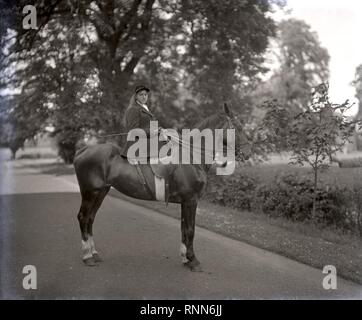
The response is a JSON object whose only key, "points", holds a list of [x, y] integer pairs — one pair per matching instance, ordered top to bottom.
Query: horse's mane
{"points": [[211, 122]]}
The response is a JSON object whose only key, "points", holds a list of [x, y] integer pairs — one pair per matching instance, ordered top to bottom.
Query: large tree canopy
{"points": [[303, 64], [79, 67], [357, 83]]}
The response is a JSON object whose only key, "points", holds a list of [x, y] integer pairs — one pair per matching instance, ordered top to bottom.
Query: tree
{"points": [[227, 41], [86, 56], [303, 64], [357, 83], [14, 131], [313, 135], [12, 137]]}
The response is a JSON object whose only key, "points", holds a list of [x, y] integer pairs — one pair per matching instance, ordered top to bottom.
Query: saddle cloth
{"points": [[162, 174]]}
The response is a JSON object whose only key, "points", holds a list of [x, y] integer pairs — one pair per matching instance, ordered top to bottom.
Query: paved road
{"points": [[140, 249]]}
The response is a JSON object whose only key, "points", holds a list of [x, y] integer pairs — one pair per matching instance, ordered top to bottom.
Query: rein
{"points": [[111, 135], [174, 138]]}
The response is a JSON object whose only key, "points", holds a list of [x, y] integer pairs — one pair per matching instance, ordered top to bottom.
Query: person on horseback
{"points": [[138, 116]]}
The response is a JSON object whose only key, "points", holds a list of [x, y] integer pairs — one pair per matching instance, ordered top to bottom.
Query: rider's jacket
{"points": [[137, 117]]}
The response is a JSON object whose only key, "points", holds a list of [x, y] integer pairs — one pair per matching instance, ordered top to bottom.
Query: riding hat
{"points": [[140, 88]]}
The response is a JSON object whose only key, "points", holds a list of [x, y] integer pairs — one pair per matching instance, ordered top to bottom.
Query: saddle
{"points": [[162, 175]]}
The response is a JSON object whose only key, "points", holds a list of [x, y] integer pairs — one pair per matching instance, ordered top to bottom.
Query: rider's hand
{"points": [[162, 134]]}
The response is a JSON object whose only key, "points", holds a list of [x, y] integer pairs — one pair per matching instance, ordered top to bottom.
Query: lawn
{"points": [[279, 164], [334, 175]]}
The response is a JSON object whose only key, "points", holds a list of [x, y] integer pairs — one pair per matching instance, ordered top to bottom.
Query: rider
{"points": [[139, 116]]}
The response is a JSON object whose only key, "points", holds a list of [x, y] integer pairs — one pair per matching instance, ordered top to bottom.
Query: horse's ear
{"points": [[227, 110]]}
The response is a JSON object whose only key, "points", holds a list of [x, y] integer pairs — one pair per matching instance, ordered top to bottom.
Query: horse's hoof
{"points": [[97, 258], [90, 262], [194, 266]]}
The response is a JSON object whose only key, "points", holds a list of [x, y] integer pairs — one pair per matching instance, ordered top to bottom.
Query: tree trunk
{"points": [[114, 100], [357, 134], [13, 153], [315, 169], [314, 195], [359, 224]]}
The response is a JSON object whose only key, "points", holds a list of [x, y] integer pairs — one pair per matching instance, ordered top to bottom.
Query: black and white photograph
{"points": [[199, 151]]}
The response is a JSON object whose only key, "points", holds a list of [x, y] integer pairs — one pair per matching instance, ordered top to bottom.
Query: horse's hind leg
{"points": [[99, 199], [91, 201]]}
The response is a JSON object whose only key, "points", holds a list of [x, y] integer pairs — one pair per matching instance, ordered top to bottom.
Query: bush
{"points": [[66, 143], [66, 151], [37, 155], [236, 191], [291, 196], [333, 205], [354, 214]]}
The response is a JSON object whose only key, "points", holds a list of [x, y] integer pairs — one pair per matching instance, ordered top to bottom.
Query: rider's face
{"points": [[142, 96]]}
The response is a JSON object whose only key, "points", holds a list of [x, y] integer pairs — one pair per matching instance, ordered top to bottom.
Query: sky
{"points": [[339, 27]]}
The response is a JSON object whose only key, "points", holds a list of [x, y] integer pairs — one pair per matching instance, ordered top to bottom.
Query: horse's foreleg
{"points": [[188, 215]]}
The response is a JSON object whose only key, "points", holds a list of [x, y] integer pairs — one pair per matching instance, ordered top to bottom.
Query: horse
{"points": [[101, 166]]}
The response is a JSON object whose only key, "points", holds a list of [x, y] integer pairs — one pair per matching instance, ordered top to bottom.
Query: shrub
{"points": [[66, 151], [37, 155], [236, 191], [291, 196], [333, 205], [354, 214]]}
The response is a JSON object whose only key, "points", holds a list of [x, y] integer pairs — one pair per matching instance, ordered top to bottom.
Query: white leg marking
{"points": [[93, 248], [87, 249], [183, 253]]}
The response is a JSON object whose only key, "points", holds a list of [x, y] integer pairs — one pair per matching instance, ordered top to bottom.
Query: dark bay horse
{"points": [[100, 167]]}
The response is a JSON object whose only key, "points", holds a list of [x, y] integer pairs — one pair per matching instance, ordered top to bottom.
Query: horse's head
{"points": [[232, 143], [242, 144]]}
